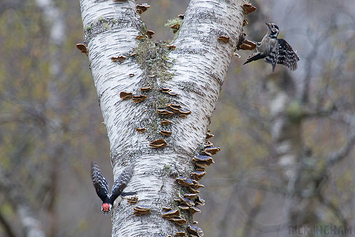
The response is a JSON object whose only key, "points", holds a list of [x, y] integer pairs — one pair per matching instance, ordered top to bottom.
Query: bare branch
{"points": [[16, 197]]}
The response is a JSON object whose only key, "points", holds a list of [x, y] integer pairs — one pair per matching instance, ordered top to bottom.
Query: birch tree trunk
{"points": [[194, 71]]}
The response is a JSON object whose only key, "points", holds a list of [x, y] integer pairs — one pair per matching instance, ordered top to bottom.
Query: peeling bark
{"points": [[194, 70]]}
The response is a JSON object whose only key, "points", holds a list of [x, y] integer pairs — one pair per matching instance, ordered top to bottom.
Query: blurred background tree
{"points": [[50, 122]]}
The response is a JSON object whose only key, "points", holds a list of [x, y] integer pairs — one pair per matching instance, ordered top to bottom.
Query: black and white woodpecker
{"points": [[274, 50], [102, 188]]}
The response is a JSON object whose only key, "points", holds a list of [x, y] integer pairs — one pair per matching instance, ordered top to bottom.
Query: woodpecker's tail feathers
{"points": [[254, 57], [99, 181], [121, 182]]}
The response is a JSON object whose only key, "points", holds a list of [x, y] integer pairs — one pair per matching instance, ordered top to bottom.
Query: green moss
{"points": [[101, 18], [106, 25], [87, 27]]}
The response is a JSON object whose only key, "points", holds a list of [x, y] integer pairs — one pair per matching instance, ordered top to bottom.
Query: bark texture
{"points": [[195, 70]]}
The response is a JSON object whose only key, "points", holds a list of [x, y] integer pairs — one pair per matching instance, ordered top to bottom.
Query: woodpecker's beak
{"points": [[268, 25]]}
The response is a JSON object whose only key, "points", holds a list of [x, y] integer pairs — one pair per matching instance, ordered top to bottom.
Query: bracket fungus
{"points": [[142, 8], [248, 8], [181, 16], [245, 22], [175, 27], [150, 33], [139, 37], [224, 39], [247, 45], [82, 47], [171, 47], [119, 59], [131, 75], [144, 89], [164, 89], [172, 93], [126, 95], [138, 98], [164, 112], [183, 113], [165, 122], [141, 130], [165, 133], [209, 135], [158, 143], [212, 150], [203, 161], [198, 175], [190, 183], [132, 200], [184, 201], [199, 201], [141, 210], [194, 210], [170, 214], [178, 220], [195, 230], [180, 234]]}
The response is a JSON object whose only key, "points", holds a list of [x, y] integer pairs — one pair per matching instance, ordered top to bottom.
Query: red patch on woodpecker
{"points": [[106, 207]]}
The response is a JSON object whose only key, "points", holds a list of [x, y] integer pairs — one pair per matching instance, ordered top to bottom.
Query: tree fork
{"points": [[183, 77]]}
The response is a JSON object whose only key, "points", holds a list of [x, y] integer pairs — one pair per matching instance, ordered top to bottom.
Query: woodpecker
{"points": [[275, 51], [102, 187]]}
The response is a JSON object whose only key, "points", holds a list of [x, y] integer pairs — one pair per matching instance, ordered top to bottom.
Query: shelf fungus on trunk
{"points": [[142, 8], [248, 8], [245, 22], [150, 33], [139, 37], [224, 39], [82, 47], [171, 47], [119, 59], [145, 89], [164, 89], [125, 95], [138, 98], [164, 112], [165, 122], [141, 130], [165, 133], [209, 135], [158, 143], [212, 150], [203, 161], [198, 175], [132, 200], [184, 201], [199, 201], [141, 210], [170, 214], [174, 216], [195, 230], [180, 234]]}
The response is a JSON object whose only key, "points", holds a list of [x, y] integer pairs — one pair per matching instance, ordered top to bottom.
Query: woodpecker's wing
{"points": [[286, 55], [254, 57], [99, 181], [121, 182]]}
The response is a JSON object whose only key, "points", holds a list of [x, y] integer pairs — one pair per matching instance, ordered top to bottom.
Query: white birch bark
{"points": [[195, 70]]}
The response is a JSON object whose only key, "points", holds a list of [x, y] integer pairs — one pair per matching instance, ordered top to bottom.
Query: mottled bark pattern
{"points": [[195, 70]]}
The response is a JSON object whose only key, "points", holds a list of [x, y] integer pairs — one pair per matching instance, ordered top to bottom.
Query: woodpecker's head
{"points": [[274, 29], [106, 208]]}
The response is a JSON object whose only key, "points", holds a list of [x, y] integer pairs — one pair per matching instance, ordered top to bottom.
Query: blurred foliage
{"points": [[50, 124]]}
